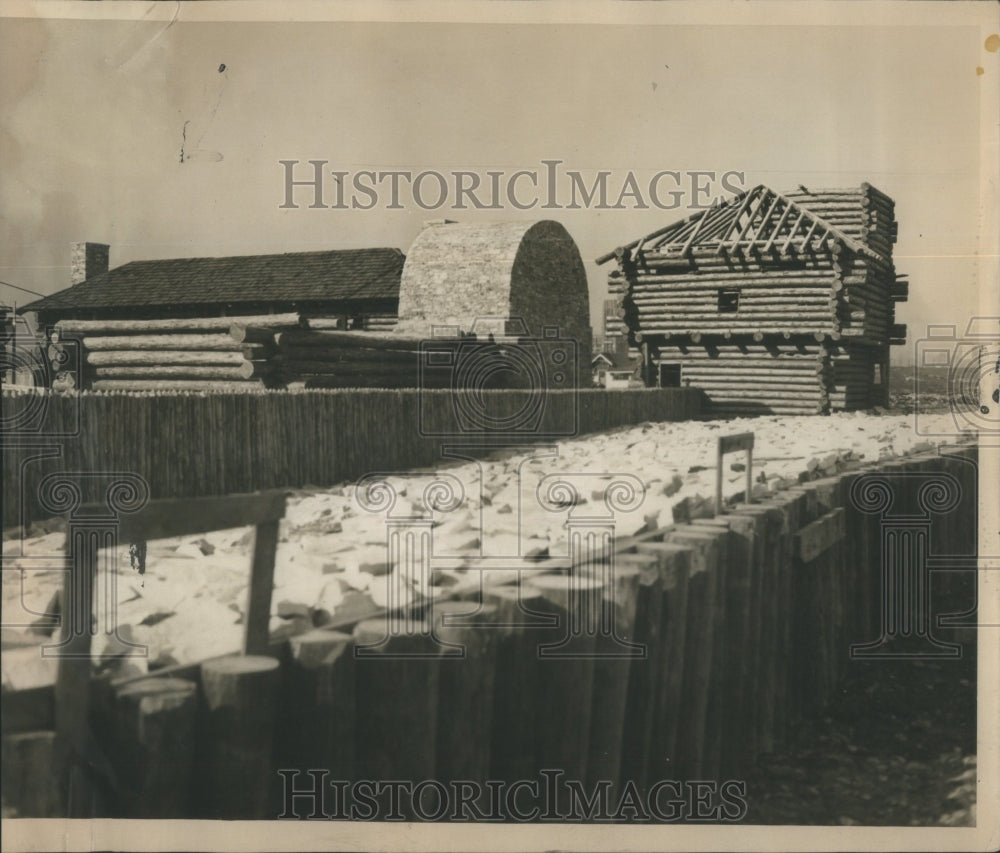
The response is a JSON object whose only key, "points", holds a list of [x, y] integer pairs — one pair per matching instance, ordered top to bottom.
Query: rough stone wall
{"points": [[88, 260], [457, 274]]}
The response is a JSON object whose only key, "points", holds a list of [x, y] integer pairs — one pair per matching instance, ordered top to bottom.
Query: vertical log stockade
{"points": [[745, 622]]}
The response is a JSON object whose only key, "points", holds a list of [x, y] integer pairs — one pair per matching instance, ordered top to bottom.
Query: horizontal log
{"points": [[756, 278], [757, 286], [820, 302], [742, 320], [326, 323], [171, 324], [663, 327], [243, 334], [369, 340], [206, 341], [806, 349], [345, 354], [153, 357], [737, 368], [348, 369], [247, 370], [765, 375], [390, 381], [173, 385], [773, 388], [802, 399], [778, 408]]}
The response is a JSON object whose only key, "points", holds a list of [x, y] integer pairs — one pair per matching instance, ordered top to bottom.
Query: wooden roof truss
{"points": [[758, 221]]}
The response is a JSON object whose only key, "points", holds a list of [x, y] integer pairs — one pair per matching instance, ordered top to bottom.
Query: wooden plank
{"points": [[740, 441], [162, 519], [813, 539], [258, 613], [72, 687]]}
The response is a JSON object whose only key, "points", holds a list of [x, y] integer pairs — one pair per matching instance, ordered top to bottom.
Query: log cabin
{"points": [[771, 302], [166, 324]]}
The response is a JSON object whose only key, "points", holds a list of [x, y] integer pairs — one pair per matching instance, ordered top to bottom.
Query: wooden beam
{"points": [[781, 223], [161, 519], [256, 625]]}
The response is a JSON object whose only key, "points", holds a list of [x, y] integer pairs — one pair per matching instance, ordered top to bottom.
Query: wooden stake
{"points": [[237, 733], [154, 747]]}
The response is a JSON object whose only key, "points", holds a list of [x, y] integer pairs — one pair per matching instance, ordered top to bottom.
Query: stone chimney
{"points": [[87, 260]]}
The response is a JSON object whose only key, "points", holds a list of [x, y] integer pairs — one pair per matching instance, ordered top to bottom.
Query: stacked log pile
{"points": [[780, 303], [228, 353], [182, 354], [323, 357], [318, 358]]}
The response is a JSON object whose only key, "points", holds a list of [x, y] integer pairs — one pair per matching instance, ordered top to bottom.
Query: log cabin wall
{"points": [[771, 303]]}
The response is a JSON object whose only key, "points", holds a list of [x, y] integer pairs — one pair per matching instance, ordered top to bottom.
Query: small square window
{"points": [[729, 301], [670, 376]]}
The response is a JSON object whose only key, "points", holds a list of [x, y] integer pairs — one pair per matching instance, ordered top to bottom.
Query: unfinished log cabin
{"points": [[770, 303], [206, 323]]}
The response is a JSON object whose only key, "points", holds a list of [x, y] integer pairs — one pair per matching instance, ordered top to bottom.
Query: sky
{"points": [[94, 113]]}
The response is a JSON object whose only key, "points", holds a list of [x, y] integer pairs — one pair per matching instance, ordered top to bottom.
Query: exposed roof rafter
{"points": [[758, 220]]}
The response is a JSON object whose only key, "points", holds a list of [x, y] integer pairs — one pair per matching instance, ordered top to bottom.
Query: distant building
{"points": [[22, 357], [613, 369]]}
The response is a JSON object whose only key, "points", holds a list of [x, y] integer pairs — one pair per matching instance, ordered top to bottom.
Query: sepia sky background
{"points": [[92, 115]]}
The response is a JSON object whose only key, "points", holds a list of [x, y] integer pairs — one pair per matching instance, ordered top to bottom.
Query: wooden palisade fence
{"points": [[194, 445], [747, 619]]}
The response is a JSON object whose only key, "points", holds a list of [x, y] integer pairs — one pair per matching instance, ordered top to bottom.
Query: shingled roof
{"points": [[342, 275]]}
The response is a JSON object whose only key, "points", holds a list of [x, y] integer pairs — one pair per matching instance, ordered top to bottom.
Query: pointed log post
{"points": [[673, 567], [614, 651], [566, 666], [467, 668], [397, 703], [515, 705], [315, 715], [237, 728], [154, 747]]}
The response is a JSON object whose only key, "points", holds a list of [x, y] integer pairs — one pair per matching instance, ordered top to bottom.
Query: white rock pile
{"points": [[189, 603]]}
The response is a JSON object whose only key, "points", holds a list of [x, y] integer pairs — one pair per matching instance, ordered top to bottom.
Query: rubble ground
{"points": [[188, 604]]}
